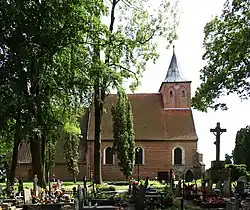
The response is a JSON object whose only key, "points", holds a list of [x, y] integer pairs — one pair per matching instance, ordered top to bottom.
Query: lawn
{"points": [[68, 185]]}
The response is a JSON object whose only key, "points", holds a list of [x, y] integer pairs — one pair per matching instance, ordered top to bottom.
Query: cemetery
{"points": [[76, 133], [218, 188]]}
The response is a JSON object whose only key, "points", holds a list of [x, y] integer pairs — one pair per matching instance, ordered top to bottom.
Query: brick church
{"points": [[165, 134]]}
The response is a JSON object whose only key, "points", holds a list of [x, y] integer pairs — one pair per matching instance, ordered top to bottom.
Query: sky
{"points": [[194, 14]]}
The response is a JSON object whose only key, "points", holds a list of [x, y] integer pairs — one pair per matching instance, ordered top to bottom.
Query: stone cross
{"points": [[217, 131]]}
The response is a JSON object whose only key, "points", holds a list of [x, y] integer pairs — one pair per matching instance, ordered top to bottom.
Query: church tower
{"points": [[175, 90]]}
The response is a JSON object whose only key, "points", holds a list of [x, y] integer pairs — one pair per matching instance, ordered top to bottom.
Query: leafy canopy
{"points": [[130, 30], [227, 46], [241, 152]]}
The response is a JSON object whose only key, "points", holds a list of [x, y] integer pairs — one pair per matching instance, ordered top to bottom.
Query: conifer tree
{"points": [[123, 132], [71, 146]]}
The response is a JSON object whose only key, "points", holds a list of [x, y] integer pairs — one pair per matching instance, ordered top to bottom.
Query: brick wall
{"points": [[180, 96], [158, 157], [60, 171]]}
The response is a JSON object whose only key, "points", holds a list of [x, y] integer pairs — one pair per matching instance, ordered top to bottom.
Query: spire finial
{"points": [[173, 49]]}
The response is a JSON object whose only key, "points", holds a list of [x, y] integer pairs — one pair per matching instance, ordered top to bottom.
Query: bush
{"points": [[238, 171], [121, 183], [103, 188], [168, 194]]}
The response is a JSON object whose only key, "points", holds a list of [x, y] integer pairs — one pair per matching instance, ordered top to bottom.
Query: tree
{"points": [[39, 41], [124, 48], [227, 53], [123, 132], [131, 138], [71, 145], [241, 152], [228, 159], [238, 171]]}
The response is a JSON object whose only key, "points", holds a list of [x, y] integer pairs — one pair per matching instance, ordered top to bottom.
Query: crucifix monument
{"points": [[217, 131]]}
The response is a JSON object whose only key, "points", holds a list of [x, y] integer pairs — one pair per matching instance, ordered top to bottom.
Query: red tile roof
{"points": [[151, 121]]}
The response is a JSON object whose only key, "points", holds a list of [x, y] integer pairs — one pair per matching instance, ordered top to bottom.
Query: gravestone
{"points": [[242, 178], [171, 179], [227, 182], [210, 185], [35, 187], [240, 187], [227, 188], [178, 189], [85, 190], [27, 196], [80, 196], [140, 198], [76, 204]]}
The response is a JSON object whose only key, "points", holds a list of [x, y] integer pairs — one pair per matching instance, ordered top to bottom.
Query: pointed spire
{"points": [[173, 74]]}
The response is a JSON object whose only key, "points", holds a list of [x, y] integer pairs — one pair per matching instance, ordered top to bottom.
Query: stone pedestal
{"points": [[221, 164]]}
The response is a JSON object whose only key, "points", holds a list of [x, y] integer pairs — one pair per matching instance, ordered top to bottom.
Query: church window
{"points": [[171, 93], [183, 93], [108, 156], [139, 156], [178, 156]]}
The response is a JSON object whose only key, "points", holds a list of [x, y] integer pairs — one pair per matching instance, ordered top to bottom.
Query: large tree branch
{"points": [[148, 39], [124, 68]]}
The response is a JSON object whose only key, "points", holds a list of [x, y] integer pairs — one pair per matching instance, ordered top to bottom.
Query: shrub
{"points": [[102, 188]]}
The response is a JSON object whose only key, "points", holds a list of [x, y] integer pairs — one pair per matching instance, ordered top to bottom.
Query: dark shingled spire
{"points": [[173, 74]]}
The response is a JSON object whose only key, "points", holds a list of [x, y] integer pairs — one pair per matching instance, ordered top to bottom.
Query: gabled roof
{"points": [[173, 74], [151, 121]]}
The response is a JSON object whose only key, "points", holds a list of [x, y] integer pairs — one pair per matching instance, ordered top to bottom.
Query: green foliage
{"points": [[125, 45], [227, 46], [43, 63], [72, 129], [123, 132], [50, 151], [241, 152], [71, 153], [228, 159], [237, 171], [103, 188], [168, 193]]}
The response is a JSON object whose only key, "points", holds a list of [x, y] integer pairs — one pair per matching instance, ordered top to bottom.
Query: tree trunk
{"points": [[97, 144], [43, 154], [14, 161], [37, 165]]}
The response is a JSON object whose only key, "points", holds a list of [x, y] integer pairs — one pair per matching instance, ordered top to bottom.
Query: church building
{"points": [[165, 135]]}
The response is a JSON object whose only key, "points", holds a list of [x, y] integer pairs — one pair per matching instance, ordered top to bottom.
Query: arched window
{"points": [[171, 93], [183, 94], [108, 156], [139, 156], [178, 156]]}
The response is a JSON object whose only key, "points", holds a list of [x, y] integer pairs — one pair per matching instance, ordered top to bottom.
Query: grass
{"points": [[68, 185]]}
